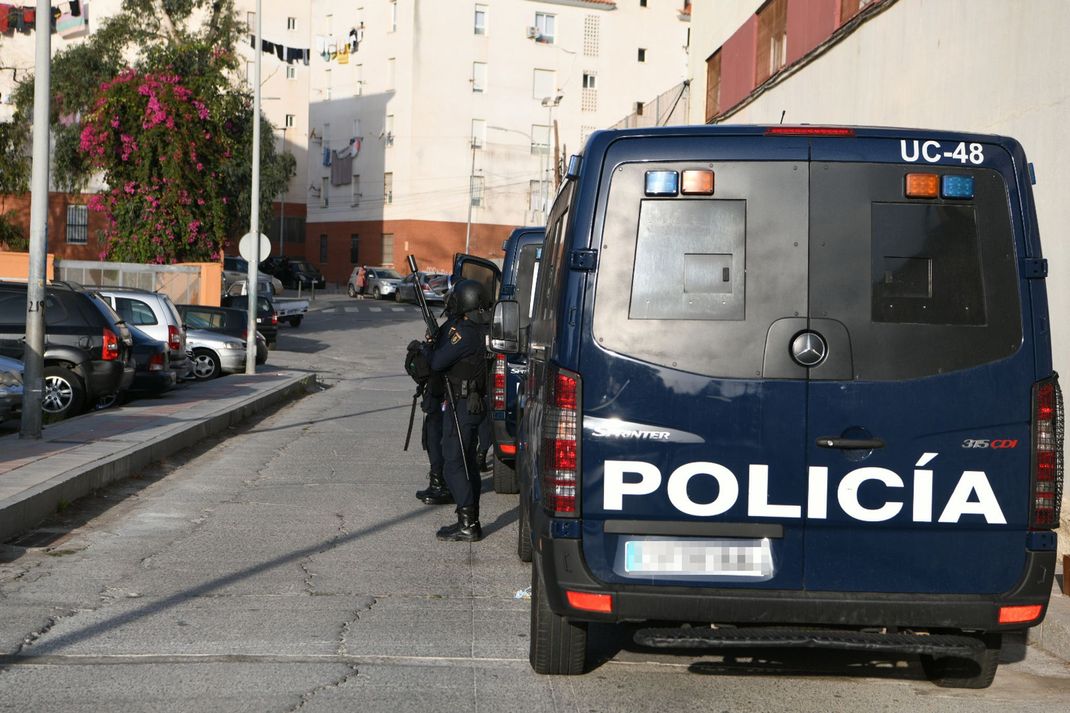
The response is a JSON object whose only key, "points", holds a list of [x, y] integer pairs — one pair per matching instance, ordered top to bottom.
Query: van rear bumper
{"points": [[563, 568]]}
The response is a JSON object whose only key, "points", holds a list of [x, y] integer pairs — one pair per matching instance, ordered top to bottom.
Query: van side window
{"points": [[551, 278]]}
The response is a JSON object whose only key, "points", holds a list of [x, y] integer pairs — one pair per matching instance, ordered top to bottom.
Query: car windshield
{"points": [[235, 264], [301, 265], [387, 274]]}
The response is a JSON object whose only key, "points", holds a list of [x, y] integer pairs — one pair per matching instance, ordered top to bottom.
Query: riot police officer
{"points": [[459, 354]]}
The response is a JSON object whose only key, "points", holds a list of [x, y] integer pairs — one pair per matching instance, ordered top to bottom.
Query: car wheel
{"points": [[351, 291], [375, 294], [296, 321], [206, 364], [64, 393], [106, 402], [504, 478], [557, 646], [965, 673]]}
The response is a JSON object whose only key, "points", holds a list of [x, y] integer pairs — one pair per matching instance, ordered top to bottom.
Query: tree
{"points": [[181, 74]]}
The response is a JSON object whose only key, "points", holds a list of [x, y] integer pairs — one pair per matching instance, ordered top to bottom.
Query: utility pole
{"points": [[254, 192], [471, 196], [34, 350]]}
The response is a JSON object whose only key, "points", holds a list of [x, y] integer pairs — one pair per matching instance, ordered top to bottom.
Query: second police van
{"points": [[791, 386]]}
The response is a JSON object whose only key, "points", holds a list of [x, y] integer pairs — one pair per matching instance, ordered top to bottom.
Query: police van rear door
{"points": [[483, 271], [918, 413], [693, 449]]}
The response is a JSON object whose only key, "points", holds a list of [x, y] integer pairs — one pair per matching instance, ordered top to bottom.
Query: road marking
{"points": [[352, 309], [375, 309], [397, 309]]}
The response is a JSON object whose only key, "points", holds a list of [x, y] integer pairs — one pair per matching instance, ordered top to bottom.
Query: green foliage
{"points": [[190, 65], [11, 235]]}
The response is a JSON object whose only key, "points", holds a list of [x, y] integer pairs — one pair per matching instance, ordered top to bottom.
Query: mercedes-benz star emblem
{"points": [[809, 349]]}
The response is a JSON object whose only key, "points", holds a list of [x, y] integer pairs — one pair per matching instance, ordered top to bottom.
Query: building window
{"points": [[642, 3], [850, 8], [393, 15], [250, 21], [291, 23], [480, 27], [544, 28], [590, 36], [772, 39], [642, 54], [291, 72], [358, 73], [390, 76], [479, 76], [589, 80], [543, 84], [713, 86], [589, 94], [639, 108], [288, 122], [388, 130], [479, 132], [540, 139], [325, 187], [354, 187], [388, 188], [477, 191], [535, 196], [77, 224], [323, 248], [354, 249], [388, 249]]}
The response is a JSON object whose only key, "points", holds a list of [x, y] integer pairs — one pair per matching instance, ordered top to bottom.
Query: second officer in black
{"points": [[459, 354]]}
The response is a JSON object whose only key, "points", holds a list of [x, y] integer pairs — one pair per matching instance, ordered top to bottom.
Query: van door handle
{"points": [[862, 444]]}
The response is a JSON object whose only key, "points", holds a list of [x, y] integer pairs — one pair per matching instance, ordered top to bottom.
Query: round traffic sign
{"points": [[246, 245]]}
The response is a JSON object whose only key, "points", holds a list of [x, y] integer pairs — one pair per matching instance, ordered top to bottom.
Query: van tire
{"points": [[504, 478], [523, 532], [558, 646], [948, 672]]}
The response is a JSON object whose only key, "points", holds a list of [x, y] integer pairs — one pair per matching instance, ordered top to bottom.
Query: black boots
{"points": [[436, 492], [466, 529]]}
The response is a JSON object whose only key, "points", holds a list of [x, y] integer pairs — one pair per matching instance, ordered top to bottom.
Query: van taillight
{"points": [[174, 338], [110, 350], [156, 362], [499, 382], [560, 428], [1047, 482]]}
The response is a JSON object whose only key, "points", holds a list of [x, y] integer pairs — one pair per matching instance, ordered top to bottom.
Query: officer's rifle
{"points": [[432, 333]]}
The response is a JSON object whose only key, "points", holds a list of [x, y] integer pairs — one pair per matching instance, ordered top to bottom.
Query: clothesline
{"points": [[23, 18], [289, 55]]}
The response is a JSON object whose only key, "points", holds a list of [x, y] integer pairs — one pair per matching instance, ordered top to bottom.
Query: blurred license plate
{"points": [[721, 557]]}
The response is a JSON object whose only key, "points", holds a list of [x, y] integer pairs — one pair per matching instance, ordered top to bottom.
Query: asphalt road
{"points": [[289, 567]]}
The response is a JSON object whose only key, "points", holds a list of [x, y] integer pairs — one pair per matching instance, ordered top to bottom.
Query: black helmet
{"points": [[466, 296]]}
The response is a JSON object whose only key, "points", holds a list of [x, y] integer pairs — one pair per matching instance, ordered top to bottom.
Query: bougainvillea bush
{"points": [[161, 150]]}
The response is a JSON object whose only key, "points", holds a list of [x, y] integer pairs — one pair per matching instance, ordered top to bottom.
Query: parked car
{"points": [[237, 268], [294, 272], [379, 282], [441, 285], [406, 289], [286, 309], [153, 313], [267, 319], [225, 320], [88, 348], [215, 354], [152, 376], [10, 387]]}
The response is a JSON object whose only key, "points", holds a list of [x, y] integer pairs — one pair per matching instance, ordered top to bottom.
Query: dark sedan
{"points": [[224, 320], [151, 375]]}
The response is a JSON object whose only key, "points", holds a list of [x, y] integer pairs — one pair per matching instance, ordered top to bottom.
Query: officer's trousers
{"points": [[432, 431], [464, 484]]}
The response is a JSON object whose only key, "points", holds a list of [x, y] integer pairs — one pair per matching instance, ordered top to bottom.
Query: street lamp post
{"points": [[254, 200]]}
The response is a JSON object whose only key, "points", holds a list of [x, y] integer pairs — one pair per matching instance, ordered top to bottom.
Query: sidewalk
{"points": [[77, 456]]}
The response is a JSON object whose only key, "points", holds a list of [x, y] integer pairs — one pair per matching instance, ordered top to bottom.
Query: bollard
{"points": [[299, 284], [313, 290]]}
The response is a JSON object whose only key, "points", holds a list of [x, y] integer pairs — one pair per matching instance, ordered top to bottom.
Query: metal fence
{"points": [[668, 108], [179, 282]]}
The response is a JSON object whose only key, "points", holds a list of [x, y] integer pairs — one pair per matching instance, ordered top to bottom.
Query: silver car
{"points": [[379, 282], [155, 314], [214, 354]]}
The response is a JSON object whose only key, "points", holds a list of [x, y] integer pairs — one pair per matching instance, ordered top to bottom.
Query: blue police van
{"points": [[519, 269], [791, 386]]}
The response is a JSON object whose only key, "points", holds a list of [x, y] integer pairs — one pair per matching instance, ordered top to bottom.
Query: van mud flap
{"points": [[943, 645]]}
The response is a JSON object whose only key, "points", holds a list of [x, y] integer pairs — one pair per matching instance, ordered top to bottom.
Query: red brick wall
{"points": [[57, 224], [433, 243]]}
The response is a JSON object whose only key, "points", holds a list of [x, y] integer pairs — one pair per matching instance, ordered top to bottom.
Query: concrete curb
{"points": [[24, 511], [1053, 634]]}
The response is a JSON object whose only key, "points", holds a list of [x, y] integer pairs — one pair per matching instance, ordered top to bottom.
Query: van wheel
{"points": [[206, 364], [64, 393], [504, 478], [523, 532], [558, 646], [965, 673]]}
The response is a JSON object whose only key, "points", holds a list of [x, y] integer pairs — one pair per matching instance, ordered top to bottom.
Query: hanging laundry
{"points": [[75, 8], [5, 16], [354, 40], [268, 47], [321, 47], [280, 50], [332, 50], [293, 54], [343, 54], [352, 150], [326, 157], [341, 170]]}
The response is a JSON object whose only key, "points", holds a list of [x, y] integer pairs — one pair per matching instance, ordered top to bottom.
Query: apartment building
{"points": [[988, 66], [438, 125], [72, 229]]}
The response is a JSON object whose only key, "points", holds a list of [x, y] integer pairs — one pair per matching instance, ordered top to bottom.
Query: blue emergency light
{"points": [[662, 183], [952, 186]]}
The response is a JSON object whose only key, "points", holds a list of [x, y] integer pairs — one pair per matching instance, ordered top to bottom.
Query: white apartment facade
{"points": [[986, 66], [426, 109]]}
